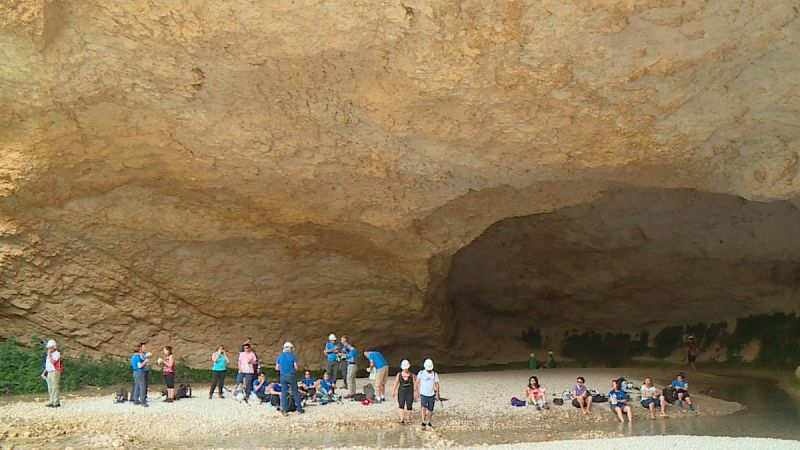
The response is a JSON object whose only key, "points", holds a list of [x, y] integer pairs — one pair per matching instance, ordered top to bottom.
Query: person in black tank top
{"points": [[403, 388]]}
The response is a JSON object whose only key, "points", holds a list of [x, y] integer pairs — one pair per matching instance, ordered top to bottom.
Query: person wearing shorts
{"points": [[691, 352], [378, 362], [404, 385], [681, 386], [427, 391], [581, 397], [616, 398], [652, 398]]}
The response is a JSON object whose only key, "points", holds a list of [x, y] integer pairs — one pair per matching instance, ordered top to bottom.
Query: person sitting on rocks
{"points": [[307, 386], [681, 386], [260, 388], [274, 390], [326, 390], [535, 395], [581, 398], [616, 398], [652, 398]]}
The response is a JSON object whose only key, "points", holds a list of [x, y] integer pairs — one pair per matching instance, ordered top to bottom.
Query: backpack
{"points": [[184, 391], [369, 391], [670, 394], [121, 396], [358, 397], [599, 398], [558, 401], [517, 402]]}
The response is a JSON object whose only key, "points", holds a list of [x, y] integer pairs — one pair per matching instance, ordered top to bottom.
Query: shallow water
{"points": [[770, 412]]}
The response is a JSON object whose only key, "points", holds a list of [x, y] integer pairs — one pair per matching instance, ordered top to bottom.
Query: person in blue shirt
{"points": [[341, 358], [140, 360], [331, 360], [378, 362], [286, 365], [352, 369], [307, 385], [260, 388], [682, 389], [326, 390], [274, 392], [616, 397]]}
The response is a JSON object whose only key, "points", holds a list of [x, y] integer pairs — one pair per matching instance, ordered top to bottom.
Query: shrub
{"points": [[532, 336], [666, 341]]}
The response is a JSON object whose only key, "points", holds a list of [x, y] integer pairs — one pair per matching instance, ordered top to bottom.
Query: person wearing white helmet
{"points": [[331, 353], [286, 365], [52, 373], [404, 389], [427, 391]]}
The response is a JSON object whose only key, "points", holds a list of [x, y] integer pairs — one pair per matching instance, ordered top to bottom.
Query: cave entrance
{"points": [[636, 259]]}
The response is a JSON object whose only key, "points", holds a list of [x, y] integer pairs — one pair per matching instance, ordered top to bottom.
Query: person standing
{"points": [[331, 351], [691, 352], [341, 358], [247, 360], [139, 361], [378, 362], [533, 363], [286, 365], [352, 370], [218, 371], [169, 372], [52, 373], [404, 389], [427, 391]]}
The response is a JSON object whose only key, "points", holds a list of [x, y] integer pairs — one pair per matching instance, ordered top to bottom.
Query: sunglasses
{"points": [[579, 382]]}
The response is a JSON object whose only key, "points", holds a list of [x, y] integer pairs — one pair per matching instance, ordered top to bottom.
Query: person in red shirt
{"points": [[691, 352]]}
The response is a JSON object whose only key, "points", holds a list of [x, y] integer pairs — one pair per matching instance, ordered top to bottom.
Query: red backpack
{"points": [[59, 363]]}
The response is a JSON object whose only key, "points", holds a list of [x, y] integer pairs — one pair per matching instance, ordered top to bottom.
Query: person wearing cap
{"points": [[331, 351], [691, 352], [378, 362], [286, 365], [352, 369], [52, 373], [404, 389], [427, 391]]}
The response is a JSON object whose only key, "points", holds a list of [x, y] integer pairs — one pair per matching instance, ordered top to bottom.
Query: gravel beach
{"points": [[476, 401]]}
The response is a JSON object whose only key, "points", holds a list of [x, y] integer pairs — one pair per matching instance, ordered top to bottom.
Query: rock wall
{"points": [[194, 173]]}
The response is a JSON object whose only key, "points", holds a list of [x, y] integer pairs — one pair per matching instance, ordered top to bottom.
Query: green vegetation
{"points": [[779, 335], [532, 336], [666, 341], [612, 349]]}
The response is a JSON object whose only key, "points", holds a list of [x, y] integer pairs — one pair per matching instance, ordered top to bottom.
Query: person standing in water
{"points": [[691, 352], [286, 365], [219, 368], [168, 371], [51, 373], [404, 390], [427, 391], [581, 397], [652, 398]]}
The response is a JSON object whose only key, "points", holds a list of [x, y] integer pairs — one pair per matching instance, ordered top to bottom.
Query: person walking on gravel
{"points": [[286, 365], [218, 369], [52, 373], [427, 391]]}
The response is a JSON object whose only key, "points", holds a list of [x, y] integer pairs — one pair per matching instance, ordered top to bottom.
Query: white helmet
{"points": [[331, 337], [51, 344], [288, 345], [405, 364], [428, 365]]}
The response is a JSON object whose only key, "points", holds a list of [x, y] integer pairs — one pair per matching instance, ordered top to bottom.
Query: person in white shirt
{"points": [[52, 373], [427, 391]]}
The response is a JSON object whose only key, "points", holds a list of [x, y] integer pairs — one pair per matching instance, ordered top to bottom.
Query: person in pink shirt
{"points": [[246, 361]]}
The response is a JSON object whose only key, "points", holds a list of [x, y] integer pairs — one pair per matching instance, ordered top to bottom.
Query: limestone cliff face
{"points": [[196, 172]]}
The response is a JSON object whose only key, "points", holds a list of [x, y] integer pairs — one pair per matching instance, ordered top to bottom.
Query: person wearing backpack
{"points": [[52, 373], [426, 391]]}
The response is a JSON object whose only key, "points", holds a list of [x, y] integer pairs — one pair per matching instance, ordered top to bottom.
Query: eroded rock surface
{"points": [[192, 173]]}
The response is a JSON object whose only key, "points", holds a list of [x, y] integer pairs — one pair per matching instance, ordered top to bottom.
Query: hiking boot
{"points": [[210, 396], [221, 396], [136, 402], [680, 404], [49, 405], [57, 405], [146, 405], [691, 407], [301, 411], [424, 424], [430, 425]]}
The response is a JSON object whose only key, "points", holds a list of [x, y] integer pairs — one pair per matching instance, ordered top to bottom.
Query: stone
{"points": [[191, 174]]}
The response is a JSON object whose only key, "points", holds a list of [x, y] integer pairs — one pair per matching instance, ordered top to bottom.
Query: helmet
{"points": [[332, 337], [51, 343], [287, 345], [405, 364], [428, 365]]}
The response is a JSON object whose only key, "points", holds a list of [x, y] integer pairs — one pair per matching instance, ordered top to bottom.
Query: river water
{"points": [[770, 412]]}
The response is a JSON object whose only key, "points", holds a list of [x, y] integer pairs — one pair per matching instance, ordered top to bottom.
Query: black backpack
{"points": [[184, 391], [369, 391], [670, 394], [121, 396], [358, 397], [599, 398]]}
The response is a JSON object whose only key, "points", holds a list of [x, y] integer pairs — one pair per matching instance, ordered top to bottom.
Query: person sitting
{"points": [[551, 361], [306, 386], [681, 386], [260, 388], [274, 390], [326, 390], [534, 394], [581, 398], [616, 398], [652, 398]]}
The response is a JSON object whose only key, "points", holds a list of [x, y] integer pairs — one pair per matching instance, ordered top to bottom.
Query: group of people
{"points": [[618, 396]]}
